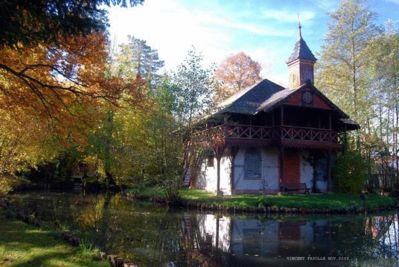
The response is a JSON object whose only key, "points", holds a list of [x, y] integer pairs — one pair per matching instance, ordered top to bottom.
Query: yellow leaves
{"points": [[63, 85]]}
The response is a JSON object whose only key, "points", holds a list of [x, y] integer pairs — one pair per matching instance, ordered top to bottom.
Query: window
{"points": [[253, 164]]}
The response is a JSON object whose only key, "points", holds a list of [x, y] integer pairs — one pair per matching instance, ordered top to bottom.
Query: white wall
{"points": [[306, 169], [270, 172], [307, 172], [207, 178]]}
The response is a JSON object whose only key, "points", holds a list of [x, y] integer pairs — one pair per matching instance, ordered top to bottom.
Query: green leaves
{"points": [[195, 87], [350, 172]]}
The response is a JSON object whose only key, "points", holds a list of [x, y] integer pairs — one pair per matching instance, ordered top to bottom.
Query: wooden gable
{"points": [[309, 97]]}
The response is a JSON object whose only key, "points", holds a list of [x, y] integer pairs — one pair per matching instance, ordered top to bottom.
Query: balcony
{"points": [[287, 136]]}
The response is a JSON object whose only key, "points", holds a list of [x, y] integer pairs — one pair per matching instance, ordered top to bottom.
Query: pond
{"points": [[154, 235]]}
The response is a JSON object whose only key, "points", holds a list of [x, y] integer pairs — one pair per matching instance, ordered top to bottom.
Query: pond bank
{"points": [[330, 203], [25, 245], [77, 253]]}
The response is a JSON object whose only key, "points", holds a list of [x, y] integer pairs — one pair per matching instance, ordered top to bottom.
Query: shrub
{"points": [[350, 172], [263, 202]]}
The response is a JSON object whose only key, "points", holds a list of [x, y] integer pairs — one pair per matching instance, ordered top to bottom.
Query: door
{"points": [[291, 167]]}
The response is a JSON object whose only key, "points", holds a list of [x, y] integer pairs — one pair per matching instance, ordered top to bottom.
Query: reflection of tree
{"points": [[90, 215], [384, 232], [153, 236]]}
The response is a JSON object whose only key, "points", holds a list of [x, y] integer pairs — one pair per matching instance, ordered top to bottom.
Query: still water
{"points": [[153, 235]]}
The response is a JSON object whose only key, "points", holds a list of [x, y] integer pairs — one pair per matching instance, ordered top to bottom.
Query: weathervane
{"points": [[299, 27]]}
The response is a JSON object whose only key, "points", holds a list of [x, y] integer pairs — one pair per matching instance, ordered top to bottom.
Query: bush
{"points": [[350, 172], [171, 186], [263, 202]]}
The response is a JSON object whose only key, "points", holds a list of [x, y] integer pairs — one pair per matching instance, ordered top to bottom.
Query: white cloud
{"points": [[288, 16], [170, 28], [173, 29], [263, 30]]}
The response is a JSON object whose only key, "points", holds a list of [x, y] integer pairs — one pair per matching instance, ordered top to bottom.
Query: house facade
{"points": [[267, 138]]}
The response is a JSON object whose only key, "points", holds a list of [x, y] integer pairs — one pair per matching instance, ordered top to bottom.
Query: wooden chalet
{"points": [[268, 138]]}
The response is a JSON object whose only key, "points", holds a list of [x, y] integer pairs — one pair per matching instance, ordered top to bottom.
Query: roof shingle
{"points": [[301, 51]]}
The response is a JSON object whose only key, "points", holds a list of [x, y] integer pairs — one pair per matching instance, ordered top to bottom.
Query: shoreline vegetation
{"points": [[290, 203], [26, 244]]}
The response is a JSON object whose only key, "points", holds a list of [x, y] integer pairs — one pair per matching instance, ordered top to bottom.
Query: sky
{"points": [[266, 30]]}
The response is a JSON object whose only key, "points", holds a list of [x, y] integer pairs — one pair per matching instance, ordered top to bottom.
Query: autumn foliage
{"points": [[236, 73]]}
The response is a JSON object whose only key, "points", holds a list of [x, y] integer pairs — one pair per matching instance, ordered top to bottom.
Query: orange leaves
{"points": [[236, 73], [63, 86]]}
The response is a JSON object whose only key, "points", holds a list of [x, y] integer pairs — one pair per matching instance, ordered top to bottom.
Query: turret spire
{"points": [[299, 28], [300, 63]]}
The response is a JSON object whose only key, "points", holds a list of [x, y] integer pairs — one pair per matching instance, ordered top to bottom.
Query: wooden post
{"points": [[282, 116], [273, 123], [233, 151], [281, 161], [218, 174], [329, 185], [217, 231]]}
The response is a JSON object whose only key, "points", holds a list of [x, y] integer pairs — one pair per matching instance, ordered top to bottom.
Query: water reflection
{"points": [[156, 236]]}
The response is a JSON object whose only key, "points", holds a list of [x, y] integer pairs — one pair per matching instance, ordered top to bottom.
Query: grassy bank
{"points": [[333, 201], [24, 245]]}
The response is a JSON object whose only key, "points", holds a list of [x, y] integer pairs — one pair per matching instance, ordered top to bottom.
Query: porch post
{"points": [[273, 123], [233, 151], [281, 161], [218, 174], [329, 185], [217, 232]]}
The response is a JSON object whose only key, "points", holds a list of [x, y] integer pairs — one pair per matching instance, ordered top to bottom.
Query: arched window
{"points": [[253, 164]]}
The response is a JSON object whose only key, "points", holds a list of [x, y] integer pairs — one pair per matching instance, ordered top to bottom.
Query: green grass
{"points": [[147, 192], [319, 201], [24, 245]]}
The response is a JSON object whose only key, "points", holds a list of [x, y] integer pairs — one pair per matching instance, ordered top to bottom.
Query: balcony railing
{"points": [[290, 136]]}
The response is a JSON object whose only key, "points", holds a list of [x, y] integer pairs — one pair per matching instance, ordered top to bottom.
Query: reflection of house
{"points": [[267, 137], [216, 230], [251, 237]]}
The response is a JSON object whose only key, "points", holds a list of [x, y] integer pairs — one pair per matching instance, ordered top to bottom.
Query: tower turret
{"points": [[300, 63]]}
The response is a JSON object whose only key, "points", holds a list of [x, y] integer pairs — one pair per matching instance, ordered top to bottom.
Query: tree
{"points": [[30, 23], [50, 52], [137, 58], [358, 69], [342, 71], [385, 72], [236, 73], [53, 78], [59, 83], [194, 87], [23, 143], [350, 172]]}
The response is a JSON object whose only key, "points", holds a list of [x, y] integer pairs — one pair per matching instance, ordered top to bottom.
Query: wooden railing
{"points": [[248, 132], [308, 134], [285, 135]]}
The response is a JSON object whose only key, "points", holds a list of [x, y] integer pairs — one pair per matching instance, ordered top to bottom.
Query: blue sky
{"points": [[264, 29]]}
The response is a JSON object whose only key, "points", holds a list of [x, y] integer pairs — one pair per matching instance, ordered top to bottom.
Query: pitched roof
{"points": [[301, 51], [264, 96], [249, 100]]}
